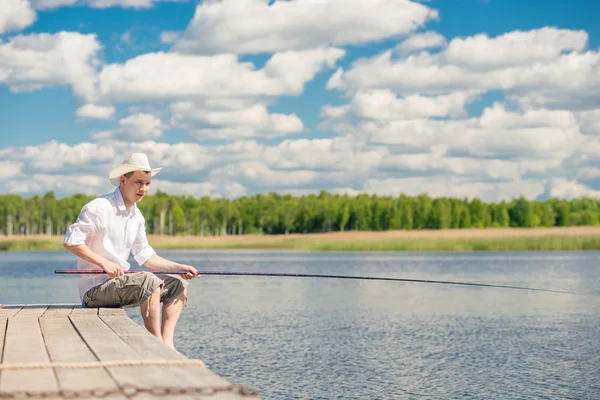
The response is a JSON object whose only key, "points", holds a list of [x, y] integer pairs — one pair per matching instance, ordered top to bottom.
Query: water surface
{"points": [[309, 338]]}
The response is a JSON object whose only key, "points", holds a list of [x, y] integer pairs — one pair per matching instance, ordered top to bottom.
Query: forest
{"points": [[274, 213]]}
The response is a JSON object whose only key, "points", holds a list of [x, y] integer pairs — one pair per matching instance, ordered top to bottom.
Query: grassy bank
{"points": [[571, 238], [484, 244]]}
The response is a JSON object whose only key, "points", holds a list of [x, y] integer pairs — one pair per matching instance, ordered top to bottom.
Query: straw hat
{"points": [[133, 162]]}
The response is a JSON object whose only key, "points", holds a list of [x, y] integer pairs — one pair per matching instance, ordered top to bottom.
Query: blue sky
{"points": [[514, 112]]}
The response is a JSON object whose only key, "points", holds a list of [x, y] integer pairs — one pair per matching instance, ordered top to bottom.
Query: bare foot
{"points": [[169, 343]]}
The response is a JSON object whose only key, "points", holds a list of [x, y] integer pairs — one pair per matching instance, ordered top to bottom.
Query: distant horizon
{"points": [[453, 98]]}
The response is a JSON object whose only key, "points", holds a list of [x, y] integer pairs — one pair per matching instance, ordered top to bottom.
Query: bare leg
{"points": [[150, 310], [170, 316]]}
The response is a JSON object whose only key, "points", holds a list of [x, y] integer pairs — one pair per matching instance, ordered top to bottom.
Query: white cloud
{"points": [[52, 4], [137, 4], [16, 15], [254, 26], [169, 37], [420, 41], [481, 52], [32, 62], [534, 72], [150, 76], [384, 105], [93, 111], [334, 112], [590, 122], [236, 123], [134, 127], [404, 129], [497, 133], [333, 154], [55, 157], [347, 164], [9, 169], [258, 173], [61, 185], [451, 186], [564, 188], [195, 189]]}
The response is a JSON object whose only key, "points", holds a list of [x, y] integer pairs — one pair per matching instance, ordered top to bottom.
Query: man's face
{"points": [[136, 186]]}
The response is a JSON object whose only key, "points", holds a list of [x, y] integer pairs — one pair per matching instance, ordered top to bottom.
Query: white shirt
{"points": [[106, 227]]}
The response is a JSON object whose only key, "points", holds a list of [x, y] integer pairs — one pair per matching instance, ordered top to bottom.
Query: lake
{"points": [[311, 338]]}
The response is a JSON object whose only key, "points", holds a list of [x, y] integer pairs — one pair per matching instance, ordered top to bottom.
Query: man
{"points": [[107, 230]]}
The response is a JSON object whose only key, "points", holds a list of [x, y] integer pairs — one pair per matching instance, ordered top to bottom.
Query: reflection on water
{"points": [[314, 338]]}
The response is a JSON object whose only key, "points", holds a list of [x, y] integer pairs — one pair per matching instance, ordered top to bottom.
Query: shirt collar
{"points": [[121, 203]]}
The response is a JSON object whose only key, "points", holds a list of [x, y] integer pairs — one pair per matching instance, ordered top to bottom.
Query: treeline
{"points": [[274, 213]]}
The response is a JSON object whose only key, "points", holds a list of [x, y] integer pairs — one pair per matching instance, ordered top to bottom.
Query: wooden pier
{"points": [[60, 351]]}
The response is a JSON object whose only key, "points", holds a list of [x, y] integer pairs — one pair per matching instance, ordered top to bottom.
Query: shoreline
{"points": [[488, 239]]}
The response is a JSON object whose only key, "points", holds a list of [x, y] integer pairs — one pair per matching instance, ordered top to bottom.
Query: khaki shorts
{"points": [[131, 290]]}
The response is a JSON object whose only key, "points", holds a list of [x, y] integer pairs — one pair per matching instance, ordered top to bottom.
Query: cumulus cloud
{"points": [[136, 4], [16, 15], [255, 26], [420, 41], [480, 52], [31, 62], [547, 66], [178, 77], [384, 105], [93, 111], [590, 122], [228, 123], [407, 124], [139, 126], [496, 133], [540, 140], [331, 154], [345, 164], [9, 169], [258, 173], [61, 185], [451, 186], [564, 188]]}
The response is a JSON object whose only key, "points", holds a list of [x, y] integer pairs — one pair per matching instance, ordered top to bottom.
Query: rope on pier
{"points": [[101, 364], [130, 391]]}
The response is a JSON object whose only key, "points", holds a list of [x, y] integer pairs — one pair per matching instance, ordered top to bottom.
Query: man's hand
{"points": [[113, 269], [191, 272]]}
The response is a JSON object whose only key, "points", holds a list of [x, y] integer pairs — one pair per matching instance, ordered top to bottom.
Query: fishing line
{"points": [[226, 273]]}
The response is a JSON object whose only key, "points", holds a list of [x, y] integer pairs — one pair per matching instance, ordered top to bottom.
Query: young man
{"points": [[107, 230]]}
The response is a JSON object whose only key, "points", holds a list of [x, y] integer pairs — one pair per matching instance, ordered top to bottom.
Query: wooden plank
{"points": [[56, 310], [78, 310], [8, 311], [31, 311], [112, 311], [3, 322], [70, 333], [139, 339], [24, 344], [65, 345], [108, 346], [150, 348]]}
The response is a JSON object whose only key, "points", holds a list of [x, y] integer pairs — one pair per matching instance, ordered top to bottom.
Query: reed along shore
{"points": [[489, 239]]}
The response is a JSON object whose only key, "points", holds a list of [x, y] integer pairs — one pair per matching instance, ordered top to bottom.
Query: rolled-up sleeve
{"points": [[87, 224], [141, 249]]}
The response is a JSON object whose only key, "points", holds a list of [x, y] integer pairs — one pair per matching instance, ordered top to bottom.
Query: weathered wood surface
{"points": [[50, 335]]}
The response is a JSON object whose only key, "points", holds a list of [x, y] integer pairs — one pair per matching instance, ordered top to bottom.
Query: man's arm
{"points": [[89, 223], [84, 252], [145, 255], [156, 262]]}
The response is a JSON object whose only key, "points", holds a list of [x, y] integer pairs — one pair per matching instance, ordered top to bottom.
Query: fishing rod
{"points": [[94, 272]]}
